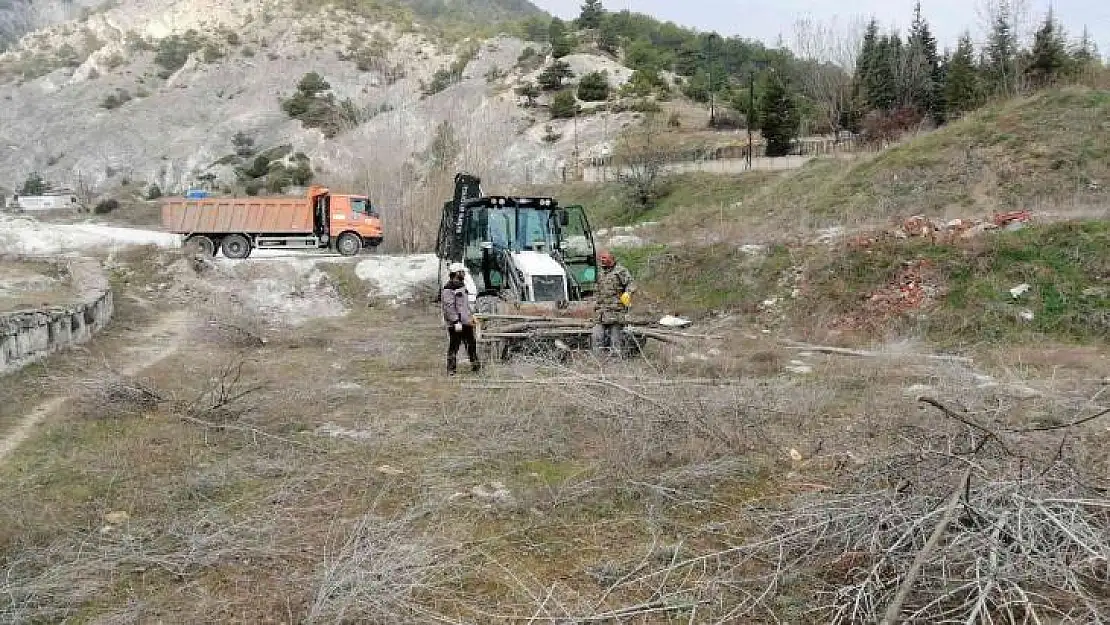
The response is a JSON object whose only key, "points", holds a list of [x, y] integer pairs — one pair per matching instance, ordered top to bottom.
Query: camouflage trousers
{"points": [[608, 335]]}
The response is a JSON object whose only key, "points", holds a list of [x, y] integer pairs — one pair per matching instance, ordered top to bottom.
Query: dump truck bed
{"points": [[238, 215]]}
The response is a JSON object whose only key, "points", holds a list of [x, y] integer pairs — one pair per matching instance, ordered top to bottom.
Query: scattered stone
{"points": [[626, 240], [1019, 290], [1027, 315], [674, 322], [799, 367], [918, 390], [338, 431], [388, 470], [495, 492], [117, 518]]}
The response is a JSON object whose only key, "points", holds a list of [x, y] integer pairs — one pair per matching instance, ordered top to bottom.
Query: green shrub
{"points": [[172, 52], [212, 53], [113, 61], [444, 78], [552, 78], [594, 87], [115, 100], [564, 105], [315, 108], [549, 135], [34, 185], [154, 192], [104, 207]]}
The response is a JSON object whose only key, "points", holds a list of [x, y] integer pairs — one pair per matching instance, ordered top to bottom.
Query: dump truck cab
{"points": [[344, 221], [526, 250]]}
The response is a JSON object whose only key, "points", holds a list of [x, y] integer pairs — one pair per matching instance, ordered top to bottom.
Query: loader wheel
{"points": [[202, 244], [348, 244], [236, 246]]}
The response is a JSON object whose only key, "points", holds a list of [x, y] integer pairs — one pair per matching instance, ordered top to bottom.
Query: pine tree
{"points": [[592, 13], [609, 36], [560, 40], [1086, 52], [1001, 55], [1049, 55], [1084, 56], [864, 64], [922, 68], [552, 78], [881, 80], [962, 91], [779, 117], [34, 185]]}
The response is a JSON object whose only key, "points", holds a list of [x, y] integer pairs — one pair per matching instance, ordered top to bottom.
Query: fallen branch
{"points": [[859, 353], [895, 607]]}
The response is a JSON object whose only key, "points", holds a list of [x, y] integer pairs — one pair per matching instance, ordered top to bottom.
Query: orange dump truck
{"points": [[238, 225]]}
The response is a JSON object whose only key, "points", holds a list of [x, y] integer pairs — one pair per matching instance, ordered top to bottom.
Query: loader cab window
{"points": [[500, 226], [534, 231], [579, 249]]}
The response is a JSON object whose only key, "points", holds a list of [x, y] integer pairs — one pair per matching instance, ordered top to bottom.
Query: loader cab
{"points": [[527, 245], [529, 248]]}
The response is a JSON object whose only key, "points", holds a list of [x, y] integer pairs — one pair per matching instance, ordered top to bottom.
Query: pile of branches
{"points": [[975, 522]]}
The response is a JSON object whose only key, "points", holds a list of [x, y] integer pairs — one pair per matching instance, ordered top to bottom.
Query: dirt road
{"points": [[146, 347]]}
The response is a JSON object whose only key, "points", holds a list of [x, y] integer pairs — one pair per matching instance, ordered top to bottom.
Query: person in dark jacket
{"points": [[459, 319]]}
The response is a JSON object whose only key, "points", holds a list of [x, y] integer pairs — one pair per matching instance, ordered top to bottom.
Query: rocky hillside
{"points": [[18, 17], [177, 92]]}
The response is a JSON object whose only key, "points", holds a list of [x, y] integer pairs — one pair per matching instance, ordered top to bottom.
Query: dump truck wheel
{"points": [[202, 244], [348, 244], [236, 246]]}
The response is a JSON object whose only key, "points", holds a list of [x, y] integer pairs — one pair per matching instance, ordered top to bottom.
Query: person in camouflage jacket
{"points": [[614, 297]]}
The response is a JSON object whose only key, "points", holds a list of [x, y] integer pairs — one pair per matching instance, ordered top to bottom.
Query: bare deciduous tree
{"points": [[830, 49], [641, 157]]}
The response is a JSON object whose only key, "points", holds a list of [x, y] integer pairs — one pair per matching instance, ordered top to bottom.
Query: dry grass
{"points": [[33, 284], [353, 482]]}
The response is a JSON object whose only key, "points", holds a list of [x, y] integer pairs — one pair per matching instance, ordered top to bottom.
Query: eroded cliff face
{"points": [[155, 92]]}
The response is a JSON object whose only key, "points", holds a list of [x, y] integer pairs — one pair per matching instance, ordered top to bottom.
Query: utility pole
{"points": [[712, 92], [751, 113], [577, 164]]}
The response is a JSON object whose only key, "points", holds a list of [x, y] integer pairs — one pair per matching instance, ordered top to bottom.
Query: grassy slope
{"points": [[1045, 149], [1050, 151], [691, 198], [1066, 264]]}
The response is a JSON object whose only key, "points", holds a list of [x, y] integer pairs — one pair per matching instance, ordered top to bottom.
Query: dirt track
{"points": [[142, 348]]}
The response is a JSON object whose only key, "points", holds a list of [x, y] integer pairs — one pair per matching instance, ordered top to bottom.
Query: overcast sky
{"points": [[766, 19]]}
